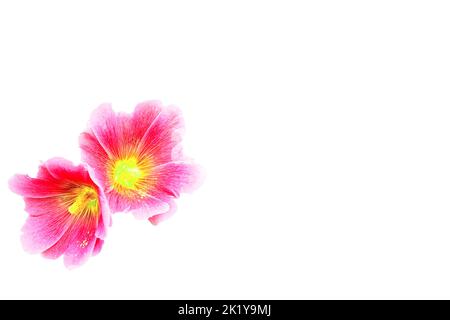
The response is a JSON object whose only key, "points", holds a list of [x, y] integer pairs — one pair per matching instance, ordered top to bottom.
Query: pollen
{"points": [[127, 173], [84, 201]]}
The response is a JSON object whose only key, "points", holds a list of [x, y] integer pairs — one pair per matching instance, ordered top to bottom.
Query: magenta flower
{"points": [[136, 159], [68, 213]]}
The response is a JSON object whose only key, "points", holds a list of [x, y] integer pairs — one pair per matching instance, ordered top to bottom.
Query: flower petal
{"points": [[145, 113], [105, 127], [162, 136], [95, 156], [64, 170], [174, 177], [33, 187], [150, 207], [156, 219], [42, 231], [76, 244], [82, 245], [97, 247]]}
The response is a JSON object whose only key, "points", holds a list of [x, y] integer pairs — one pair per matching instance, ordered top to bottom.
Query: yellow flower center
{"points": [[127, 173], [85, 201]]}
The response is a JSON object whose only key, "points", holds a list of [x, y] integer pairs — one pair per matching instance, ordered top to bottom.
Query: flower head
{"points": [[136, 159], [67, 212]]}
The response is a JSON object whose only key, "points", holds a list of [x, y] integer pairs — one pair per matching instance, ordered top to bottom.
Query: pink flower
{"points": [[136, 159], [67, 212]]}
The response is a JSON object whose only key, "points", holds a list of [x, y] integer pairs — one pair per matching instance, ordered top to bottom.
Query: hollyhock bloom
{"points": [[136, 159], [68, 213]]}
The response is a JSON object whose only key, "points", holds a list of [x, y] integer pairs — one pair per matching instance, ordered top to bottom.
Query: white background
{"points": [[323, 127]]}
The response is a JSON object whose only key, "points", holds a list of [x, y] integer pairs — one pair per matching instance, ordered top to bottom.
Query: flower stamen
{"points": [[127, 173], [86, 201]]}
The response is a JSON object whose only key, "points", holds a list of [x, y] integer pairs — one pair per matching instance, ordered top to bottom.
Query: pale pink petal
{"points": [[143, 117], [104, 126], [162, 136], [95, 156], [174, 177], [118, 202], [40, 206], [142, 207], [149, 207], [105, 217], [156, 219], [40, 232], [76, 244], [61, 246], [81, 246]]}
